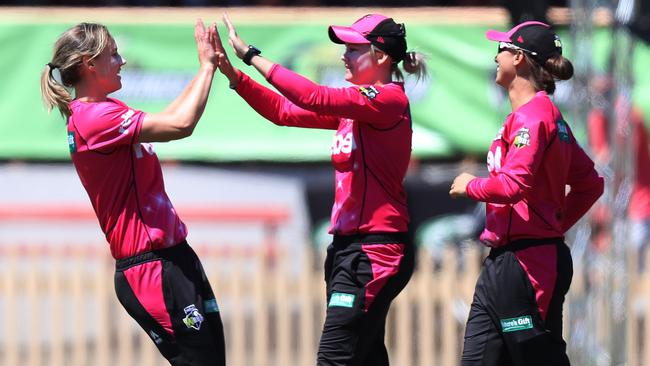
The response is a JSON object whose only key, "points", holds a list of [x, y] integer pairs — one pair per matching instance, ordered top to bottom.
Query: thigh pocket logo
{"points": [[341, 299], [193, 318], [515, 324]]}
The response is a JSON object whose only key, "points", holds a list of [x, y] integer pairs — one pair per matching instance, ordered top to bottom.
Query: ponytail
{"points": [[414, 63], [560, 67], [555, 68], [64, 70], [54, 93]]}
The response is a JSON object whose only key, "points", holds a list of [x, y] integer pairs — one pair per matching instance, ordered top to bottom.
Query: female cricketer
{"points": [[371, 257], [159, 279], [516, 314]]}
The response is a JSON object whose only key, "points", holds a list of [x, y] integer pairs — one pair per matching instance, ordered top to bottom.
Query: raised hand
{"points": [[237, 43], [205, 44], [225, 66]]}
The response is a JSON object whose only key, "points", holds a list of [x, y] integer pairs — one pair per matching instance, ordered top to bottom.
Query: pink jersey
{"points": [[371, 148], [531, 160], [122, 177]]}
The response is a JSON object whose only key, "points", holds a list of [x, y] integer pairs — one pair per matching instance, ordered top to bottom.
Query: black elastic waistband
{"points": [[374, 238], [521, 244], [154, 255]]}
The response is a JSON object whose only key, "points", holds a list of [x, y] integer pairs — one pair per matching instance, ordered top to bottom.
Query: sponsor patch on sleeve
{"points": [[369, 92], [523, 138]]}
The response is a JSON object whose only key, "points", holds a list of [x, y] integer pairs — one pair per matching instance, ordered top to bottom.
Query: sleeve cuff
{"points": [[269, 76], [240, 79], [469, 190]]}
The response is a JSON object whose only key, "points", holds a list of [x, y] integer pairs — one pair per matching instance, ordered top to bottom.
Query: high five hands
{"points": [[205, 44], [238, 45]]}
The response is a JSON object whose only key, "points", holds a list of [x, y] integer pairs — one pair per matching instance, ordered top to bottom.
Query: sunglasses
{"points": [[503, 46]]}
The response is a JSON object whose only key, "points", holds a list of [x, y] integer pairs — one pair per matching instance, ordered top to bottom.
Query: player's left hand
{"points": [[235, 41], [459, 186]]}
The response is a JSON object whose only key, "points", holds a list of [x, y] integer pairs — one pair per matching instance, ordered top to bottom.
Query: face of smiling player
{"points": [[363, 66], [106, 69], [506, 70]]}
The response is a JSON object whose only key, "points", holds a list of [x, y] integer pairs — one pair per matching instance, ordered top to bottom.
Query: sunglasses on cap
{"points": [[503, 46]]}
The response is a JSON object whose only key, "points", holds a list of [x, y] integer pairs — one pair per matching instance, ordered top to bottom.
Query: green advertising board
{"points": [[456, 111]]}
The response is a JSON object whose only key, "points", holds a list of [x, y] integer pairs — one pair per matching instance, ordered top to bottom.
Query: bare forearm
{"points": [[262, 64], [190, 104]]}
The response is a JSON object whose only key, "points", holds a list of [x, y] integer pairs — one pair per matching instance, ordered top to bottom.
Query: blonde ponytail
{"points": [[414, 63], [54, 94]]}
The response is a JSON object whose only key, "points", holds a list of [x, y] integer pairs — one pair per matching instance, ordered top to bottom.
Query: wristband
{"points": [[252, 51]]}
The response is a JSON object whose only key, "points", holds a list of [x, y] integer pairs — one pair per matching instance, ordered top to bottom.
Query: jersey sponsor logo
{"points": [[369, 92], [126, 121], [563, 131], [523, 138], [72, 144], [343, 144], [146, 147], [494, 160], [341, 299], [193, 318], [516, 324]]}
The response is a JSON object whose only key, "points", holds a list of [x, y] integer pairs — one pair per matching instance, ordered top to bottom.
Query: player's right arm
{"points": [[269, 104], [278, 109], [181, 116]]}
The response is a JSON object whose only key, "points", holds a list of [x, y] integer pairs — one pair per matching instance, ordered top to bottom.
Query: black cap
{"points": [[375, 29], [535, 37]]}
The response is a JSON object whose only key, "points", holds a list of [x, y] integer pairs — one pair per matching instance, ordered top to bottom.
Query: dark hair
{"points": [[84, 39], [556, 68]]}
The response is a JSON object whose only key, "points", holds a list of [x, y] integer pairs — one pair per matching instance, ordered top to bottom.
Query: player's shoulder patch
{"points": [[369, 92], [562, 130], [523, 138], [72, 142]]}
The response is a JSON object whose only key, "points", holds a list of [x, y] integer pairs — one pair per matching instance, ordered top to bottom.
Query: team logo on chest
{"points": [[523, 138]]}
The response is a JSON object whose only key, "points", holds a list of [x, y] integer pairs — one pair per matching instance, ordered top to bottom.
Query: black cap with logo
{"points": [[376, 29], [536, 38]]}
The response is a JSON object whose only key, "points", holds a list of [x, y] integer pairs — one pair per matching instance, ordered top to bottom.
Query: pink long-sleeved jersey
{"points": [[371, 148], [531, 161], [122, 178]]}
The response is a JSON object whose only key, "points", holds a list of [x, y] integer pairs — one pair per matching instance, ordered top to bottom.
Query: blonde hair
{"points": [[82, 40], [413, 63]]}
